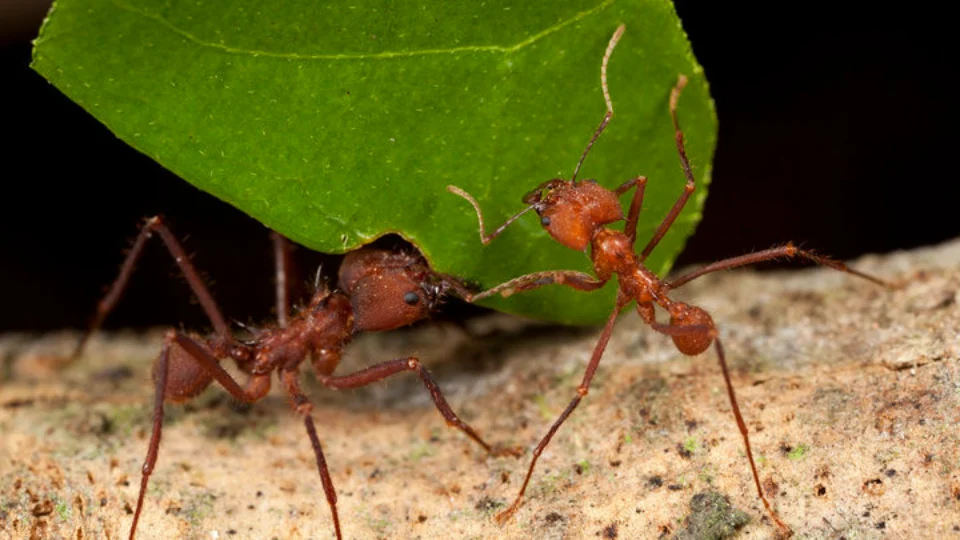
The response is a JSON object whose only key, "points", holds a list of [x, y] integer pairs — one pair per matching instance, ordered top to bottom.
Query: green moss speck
{"points": [[541, 402], [420, 451], [798, 453], [62, 510]]}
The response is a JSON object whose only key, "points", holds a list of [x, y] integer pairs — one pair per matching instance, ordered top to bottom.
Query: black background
{"points": [[837, 131]]}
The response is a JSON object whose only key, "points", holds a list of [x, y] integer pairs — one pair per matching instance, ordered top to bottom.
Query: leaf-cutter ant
{"points": [[575, 213], [378, 290]]}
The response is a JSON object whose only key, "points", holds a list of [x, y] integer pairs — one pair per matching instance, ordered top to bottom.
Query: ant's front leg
{"points": [[688, 188], [636, 204], [156, 225], [570, 278], [400, 365]]}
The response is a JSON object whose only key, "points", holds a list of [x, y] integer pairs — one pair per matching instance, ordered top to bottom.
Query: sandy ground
{"points": [[851, 392]]}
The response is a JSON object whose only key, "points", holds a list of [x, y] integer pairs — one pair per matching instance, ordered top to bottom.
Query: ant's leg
{"points": [[690, 185], [636, 205], [789, 251], [281, 257], [570, 278], [109, 301], [698, 329], [686, 330], [379, 372], [181, 385], [256, 387], [581, 393], [302, 405], [746, 438], [151, 460]]}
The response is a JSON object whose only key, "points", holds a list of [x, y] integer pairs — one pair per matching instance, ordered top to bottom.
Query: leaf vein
{"points": [[504, 49]]}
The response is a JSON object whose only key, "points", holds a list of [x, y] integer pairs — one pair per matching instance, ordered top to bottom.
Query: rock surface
{"points": [[851, 393]]}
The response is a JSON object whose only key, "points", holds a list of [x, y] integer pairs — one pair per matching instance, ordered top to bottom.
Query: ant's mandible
{"points": [[576, 214], [379, 290]]}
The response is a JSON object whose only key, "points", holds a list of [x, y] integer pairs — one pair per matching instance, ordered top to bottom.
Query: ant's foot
{"points": [[506, 451], [505, 516], [784, 531]]}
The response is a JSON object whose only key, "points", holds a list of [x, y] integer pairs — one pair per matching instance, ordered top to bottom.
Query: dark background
{"points": [[837, 129]]}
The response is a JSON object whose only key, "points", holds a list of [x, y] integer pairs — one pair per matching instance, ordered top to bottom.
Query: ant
{"points": [[576, 214], [378, 290]]}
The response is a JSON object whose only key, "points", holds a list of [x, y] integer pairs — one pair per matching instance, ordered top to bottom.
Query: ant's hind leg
{"points": [[156, 225], [788, 251], [704, 334], [184, 368], [381, 371], [160, 382], [746, 439]]}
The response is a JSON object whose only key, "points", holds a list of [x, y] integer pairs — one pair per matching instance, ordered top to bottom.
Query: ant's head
{"points": [[542, 192], [572, 211], [388, 289]]}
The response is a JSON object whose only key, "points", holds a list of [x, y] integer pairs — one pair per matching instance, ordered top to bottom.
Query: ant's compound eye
{"points": [[545, 221], [411, 298]]}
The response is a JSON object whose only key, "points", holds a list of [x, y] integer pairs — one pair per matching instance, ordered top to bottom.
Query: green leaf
{"points": [[336, 124]]}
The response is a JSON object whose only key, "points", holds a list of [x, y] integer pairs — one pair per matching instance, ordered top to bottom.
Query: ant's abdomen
{"points": [[699, 322], [186, 378]]}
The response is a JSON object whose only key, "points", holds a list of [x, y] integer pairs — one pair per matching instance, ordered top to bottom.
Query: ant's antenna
{"points": [[606, 97], [484, 237]]}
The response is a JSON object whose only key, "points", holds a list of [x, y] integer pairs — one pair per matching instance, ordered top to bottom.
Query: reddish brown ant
{"points": [[575, 214], [379, 290]]}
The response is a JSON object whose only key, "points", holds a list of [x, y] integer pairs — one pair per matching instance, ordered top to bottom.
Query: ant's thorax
{"points": [[613, 255], [321, 330]]}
